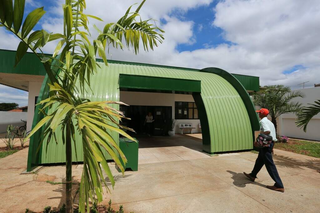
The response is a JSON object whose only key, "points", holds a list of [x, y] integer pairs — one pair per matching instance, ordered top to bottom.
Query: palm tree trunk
{"points": [[68, 171]]}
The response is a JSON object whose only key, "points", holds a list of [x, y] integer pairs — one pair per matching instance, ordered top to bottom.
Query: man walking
{"points": [[265, 153]]}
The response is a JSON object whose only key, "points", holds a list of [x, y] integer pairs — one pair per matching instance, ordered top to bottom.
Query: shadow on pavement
{"points": [[166, 141], [293, 163], [240, 180]]}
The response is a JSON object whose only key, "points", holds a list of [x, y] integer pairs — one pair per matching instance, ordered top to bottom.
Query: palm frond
{"points": [[132, 32], [307, 113]]}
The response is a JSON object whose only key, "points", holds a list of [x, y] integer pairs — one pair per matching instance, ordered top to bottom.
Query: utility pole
{"points": [[303, 83]]}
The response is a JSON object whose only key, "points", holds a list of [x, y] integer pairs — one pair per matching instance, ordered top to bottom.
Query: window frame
{"points": [[185, 106]]}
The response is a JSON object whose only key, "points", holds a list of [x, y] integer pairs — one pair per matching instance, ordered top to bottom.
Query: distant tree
{"points": [[278, 100], [8, 106], [307, 114]]}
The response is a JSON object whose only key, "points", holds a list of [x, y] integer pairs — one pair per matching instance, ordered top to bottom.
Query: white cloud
{"points": [[33, 3], [56, 10], [111, 10], [53, 25], [178, 32], [275, 36], [8, 41], [11, 95]]}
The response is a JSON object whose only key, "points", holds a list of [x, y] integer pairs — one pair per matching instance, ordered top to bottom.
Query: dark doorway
{"points": [[162, 116]]}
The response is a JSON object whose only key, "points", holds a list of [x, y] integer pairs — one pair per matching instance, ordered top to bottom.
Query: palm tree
{"points": [[69, 70], [278, 100], [307, 114]]}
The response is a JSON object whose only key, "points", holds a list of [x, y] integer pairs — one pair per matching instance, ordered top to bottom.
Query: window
{"points": [[186, 110]]}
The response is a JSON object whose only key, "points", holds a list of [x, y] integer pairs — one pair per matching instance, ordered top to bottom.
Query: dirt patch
{"points": [[4, 149], [44, 178]]}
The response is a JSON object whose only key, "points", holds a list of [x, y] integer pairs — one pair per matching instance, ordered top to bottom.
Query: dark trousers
{"points": [[149, 128], [265, 158]]}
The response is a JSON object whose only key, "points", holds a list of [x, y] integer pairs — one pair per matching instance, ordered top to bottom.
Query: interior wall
{"points": [[34, 90], [161, 99]]}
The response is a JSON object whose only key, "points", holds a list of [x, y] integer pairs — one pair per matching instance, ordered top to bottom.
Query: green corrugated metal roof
{"points": [[229, 123]]}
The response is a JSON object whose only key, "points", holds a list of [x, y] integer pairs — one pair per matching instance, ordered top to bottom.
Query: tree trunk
{"points": [[69, 203]]}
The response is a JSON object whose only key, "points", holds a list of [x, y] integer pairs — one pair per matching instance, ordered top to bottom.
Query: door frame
{"points": [[172, 84]]}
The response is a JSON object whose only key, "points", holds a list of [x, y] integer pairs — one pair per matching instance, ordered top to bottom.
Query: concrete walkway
{"points": [[177, 184]]}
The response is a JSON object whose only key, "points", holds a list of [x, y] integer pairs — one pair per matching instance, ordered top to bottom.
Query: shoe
{"points": [[249, 176], [276, 188]]}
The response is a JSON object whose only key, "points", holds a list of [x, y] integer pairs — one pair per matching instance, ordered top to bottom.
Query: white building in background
{"points": [[287, 125]]}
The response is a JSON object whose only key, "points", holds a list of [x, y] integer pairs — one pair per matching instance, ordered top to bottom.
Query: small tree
{"points": [[69, 70], [278, 100], [8, 106], [307, 114], [9, 137]]}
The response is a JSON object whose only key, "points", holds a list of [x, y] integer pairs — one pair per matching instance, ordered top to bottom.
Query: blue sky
{"points": [[205, 33], [262, 38], [294, 69]]}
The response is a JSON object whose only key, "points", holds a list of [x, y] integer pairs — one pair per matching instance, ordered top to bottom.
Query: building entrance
{"points": [[162, 116]]}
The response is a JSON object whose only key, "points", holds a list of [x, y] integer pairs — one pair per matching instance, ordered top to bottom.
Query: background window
{"points": [[186, 110]]}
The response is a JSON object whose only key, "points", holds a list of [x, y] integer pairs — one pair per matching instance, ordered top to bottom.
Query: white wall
{"points": [[34, 90], [160, 99], [11, 118], [287, 121], [290, 129]]}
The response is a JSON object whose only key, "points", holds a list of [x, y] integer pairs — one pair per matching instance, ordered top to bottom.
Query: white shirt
{"points": [[149, 119], [267, 125]]}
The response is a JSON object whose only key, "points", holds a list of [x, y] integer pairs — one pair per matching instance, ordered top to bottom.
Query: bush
{"points": [[23, 136], [9, 138], [284, 139]]}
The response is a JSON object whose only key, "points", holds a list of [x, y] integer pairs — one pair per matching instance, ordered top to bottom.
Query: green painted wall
{"points": [[29, 65], [248, 82], [156, 83]]}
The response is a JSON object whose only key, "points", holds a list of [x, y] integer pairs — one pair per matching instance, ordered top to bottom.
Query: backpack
{"points": [[263, 141]]}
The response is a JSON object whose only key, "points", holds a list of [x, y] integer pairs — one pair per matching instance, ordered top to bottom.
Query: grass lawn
{"points": [[300, 147], [7, 152]]}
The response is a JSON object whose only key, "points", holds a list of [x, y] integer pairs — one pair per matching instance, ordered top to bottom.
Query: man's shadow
{"points": [[240, 180]]}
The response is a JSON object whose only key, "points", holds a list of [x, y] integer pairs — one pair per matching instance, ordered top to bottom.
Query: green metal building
{"points": [[223, 105]]}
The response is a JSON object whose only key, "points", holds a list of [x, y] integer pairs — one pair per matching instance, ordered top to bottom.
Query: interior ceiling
{"points": [[19, 81]]}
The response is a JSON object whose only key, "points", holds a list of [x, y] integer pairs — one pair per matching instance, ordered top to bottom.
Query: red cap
{"points": [[263, 111]]}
